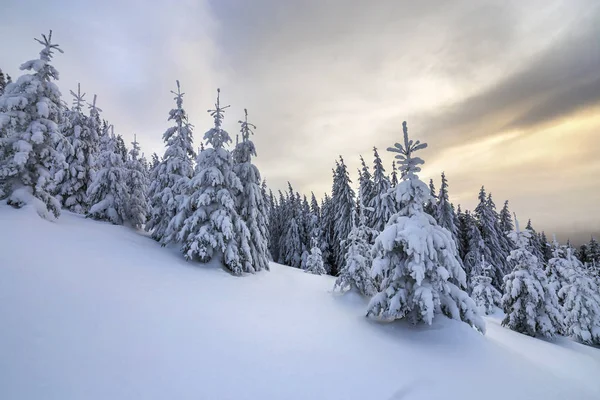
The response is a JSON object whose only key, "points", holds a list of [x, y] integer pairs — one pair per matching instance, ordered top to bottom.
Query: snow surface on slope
{"points": [[89, 310]]}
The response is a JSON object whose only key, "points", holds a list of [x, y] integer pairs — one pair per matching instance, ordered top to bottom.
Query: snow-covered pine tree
{"points": [[3, 82], [29, 133], [121, 149], [81, 159], [172, 174], [394, 179], [365, 186], [108, 193], [382, 202], [251, 203], [137, 206], [343, 206], [430, 206], [444, 213], [506, 223], [212, 227], [275, 227], [327, 234], [291, 241], [535, 244], [546, 247], [475, 249], [496, 253], [416, 260], [314, 262], [556, 269], [356, 272], [486, 296], [581, 302], [530, 305]]}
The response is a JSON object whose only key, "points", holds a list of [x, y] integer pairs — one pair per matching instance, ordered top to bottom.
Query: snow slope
{"points": [[89, 310]]}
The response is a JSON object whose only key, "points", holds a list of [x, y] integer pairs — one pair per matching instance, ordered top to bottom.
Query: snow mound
{"points": [[91, 310]]}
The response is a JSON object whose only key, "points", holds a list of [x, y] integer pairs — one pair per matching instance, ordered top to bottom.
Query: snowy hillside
{"points": [[90, 310]]}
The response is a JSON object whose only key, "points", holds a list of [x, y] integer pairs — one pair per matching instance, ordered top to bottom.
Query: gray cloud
{"points": [[324, 78]]}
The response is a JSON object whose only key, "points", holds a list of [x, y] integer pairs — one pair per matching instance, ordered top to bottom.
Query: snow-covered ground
{"points": [[89, 310]]}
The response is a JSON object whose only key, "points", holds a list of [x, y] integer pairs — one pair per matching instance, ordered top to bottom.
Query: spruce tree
{"points": [[3, 82], [29, 135], [121, 149], [81, 157], [171, 175], [394, 180], [366, 187], [108, 193], [251, 202], [382, 202], [343, 205], [137, 206], [430, 206], [444, 213], [506, 224], [212, 227], [275, 227], [327, 233], [291, 243], [535, 246], [496, 252], [416, 260], [314, 262], [355, 274], [486, 296], [581, 302], [530, 304]]}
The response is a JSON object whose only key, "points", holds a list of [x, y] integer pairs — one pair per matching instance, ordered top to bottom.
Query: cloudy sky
{"points": [[506, 93]]}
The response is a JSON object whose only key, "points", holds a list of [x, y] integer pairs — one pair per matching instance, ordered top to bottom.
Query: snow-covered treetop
{"points": [[46, 53], [178, 95], [78, 99], [94, 110], [217, 136], [135, 148], [245, 150], [408, 164], [519, 237]]}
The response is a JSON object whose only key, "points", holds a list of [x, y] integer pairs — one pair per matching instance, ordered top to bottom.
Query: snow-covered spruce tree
{"points": [[3, 82], [29, 134], [121, 149], [81, 159], [172, 174], [394, 178], [365, 183], [108, 193], [382, 202], [251, 203], [343, 205], [137, 206], [430, 206], [444, 213], [506, 224], [212, 227], [275, 227], [327, 237], [493, 239], [290, 241], [535, 246], [546, 247], [475, 249], [416, 259], [314, 262], [556, 269], [356, 272], [486, 296], [581, 302], [530, 305]]}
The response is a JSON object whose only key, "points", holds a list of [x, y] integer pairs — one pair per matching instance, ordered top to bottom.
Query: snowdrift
{"points": [[90, 310]]}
